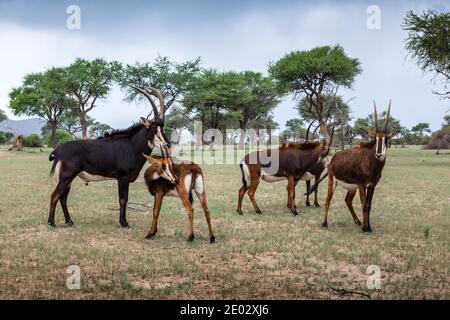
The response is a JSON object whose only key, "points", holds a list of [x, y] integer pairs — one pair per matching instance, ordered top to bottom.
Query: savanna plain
{"points": [[270, 256]]}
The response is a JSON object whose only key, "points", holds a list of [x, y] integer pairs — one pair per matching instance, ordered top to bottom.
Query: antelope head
{"points": [[155, 126], [381, 135], [163, 166]]}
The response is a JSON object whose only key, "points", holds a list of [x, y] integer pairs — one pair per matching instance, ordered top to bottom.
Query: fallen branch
{"points": [[344, 292]]}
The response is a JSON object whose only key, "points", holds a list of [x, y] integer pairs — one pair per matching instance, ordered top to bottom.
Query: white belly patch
{"points": [[86, 177], [307, 177], [270, 178], [348, 186]]}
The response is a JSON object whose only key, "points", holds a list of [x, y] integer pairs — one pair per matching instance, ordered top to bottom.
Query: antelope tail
{"points": [[52, 157], [244, 182], [316, 185]]}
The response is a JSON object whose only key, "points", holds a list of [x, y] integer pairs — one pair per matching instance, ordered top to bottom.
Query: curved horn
{"points": [[145, 93], [160, 97], [376, 116], [387, 116], [309, 128], [315, 131]]}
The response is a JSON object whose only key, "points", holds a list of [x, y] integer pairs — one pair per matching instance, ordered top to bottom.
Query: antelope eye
{"points": [[164, 166]]}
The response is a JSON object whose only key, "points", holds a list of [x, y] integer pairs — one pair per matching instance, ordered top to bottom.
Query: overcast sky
{"points": [[228, 35]]}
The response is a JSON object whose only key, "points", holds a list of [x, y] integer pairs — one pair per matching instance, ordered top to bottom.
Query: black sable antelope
{"points": [[116, 155], [290, 161], [359, 169], [166, 178]]}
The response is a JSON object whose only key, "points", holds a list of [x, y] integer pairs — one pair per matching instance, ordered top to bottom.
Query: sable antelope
{"points": [[116, 155], [290, 161], [359, 169], [315, 172], [167, 178]]}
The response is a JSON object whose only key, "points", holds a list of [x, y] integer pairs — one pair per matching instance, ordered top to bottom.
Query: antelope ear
{"points": [[143, 120], [363, 131], [371, 133], [151, 159]]}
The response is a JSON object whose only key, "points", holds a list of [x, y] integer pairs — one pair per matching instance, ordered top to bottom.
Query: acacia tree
{"points": [[428, 43], [313, 74], [172, 79], [88, 82], [43, 95], [211, 98], [256, 98], [3, 116], [175, 122], [70, 123], [421, 128], [96, 129]]}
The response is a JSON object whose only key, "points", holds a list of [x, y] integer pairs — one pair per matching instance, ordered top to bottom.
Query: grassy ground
{"points": [[273, 256]]}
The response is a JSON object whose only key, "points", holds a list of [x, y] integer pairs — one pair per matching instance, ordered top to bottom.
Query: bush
{"points": [[6, 137], [62, 137], [440, 139], [32, 141]]}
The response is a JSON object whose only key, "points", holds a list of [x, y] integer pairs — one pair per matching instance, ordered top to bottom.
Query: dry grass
{"points": [[271, 256]]}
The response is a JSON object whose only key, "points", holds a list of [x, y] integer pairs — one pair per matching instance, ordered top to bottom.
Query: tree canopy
{"points": [[428, 42], [314, 73], [173, 79], [89, 81], [43, 95], [3, 116]]}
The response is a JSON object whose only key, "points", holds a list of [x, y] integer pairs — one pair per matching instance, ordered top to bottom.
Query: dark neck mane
{"points": [[129, 132], [368, 145], [300, 146]]}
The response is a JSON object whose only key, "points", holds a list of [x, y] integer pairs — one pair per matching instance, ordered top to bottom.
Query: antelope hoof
{"points": [[308, 204], [317, 205], [239, 211], [258, 211], [295, 212], [70, 223], [52, 224], [124, 224], [324, 224], [366, 229], [150, 236], [191, 238], [212, 239]]}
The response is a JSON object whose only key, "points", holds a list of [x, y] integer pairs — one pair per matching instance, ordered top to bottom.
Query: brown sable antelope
{"points": [[290, 161], [359, 169], [167, 178]]}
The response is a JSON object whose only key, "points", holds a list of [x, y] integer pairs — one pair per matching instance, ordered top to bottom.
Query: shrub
{"points": [[6, 137], [62, 137], [440, 139], [32, 141]]}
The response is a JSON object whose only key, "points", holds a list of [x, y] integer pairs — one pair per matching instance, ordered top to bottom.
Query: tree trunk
{"points": [[83, 126], [53, 137], [242, 139]]}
